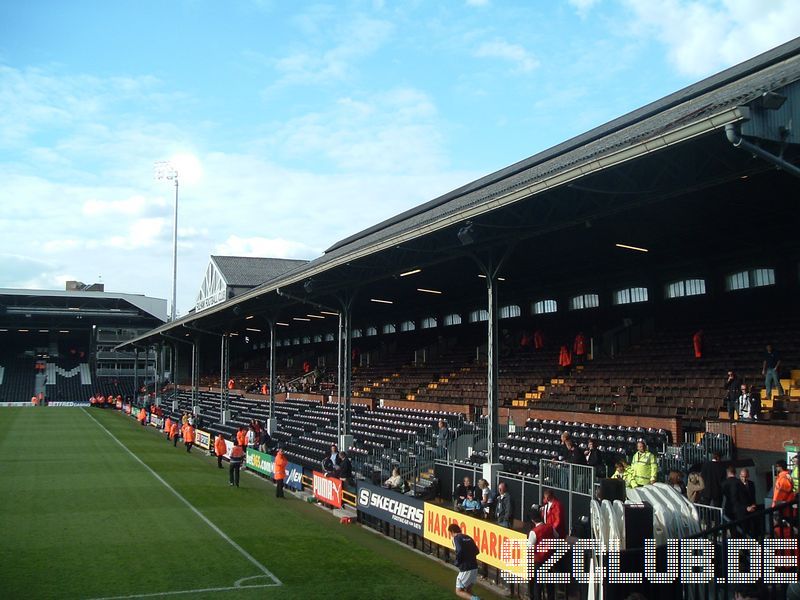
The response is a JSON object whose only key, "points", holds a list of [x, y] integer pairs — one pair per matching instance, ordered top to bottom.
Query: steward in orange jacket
{"points": [[231, 383], [142, 417], [167, 426], [173, 434], [188, 437], [241, 437], [220, 448], [237, 458], [279, 473], [783, 490]]}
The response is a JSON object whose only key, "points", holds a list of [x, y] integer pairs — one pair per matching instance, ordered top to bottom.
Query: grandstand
{"points": [[468, 309], [60, 344]]}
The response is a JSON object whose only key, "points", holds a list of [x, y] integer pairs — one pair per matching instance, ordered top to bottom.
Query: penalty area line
{"points": [[191, 507], [234, 588]]}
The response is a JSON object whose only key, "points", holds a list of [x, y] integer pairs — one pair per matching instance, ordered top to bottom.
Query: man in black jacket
{"points": [[732, 384], [345, 469], [504, 507], [466, 561]]}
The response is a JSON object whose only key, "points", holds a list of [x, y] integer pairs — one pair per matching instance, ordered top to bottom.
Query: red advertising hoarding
{"points": [[328, 489]]}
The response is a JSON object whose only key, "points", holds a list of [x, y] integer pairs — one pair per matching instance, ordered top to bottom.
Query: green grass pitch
{"points": [[81, 517]]}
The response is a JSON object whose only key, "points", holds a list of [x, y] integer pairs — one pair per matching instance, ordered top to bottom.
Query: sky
{"points": [[293, 125]]}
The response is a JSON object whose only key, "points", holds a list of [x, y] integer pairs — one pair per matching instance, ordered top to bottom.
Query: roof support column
{"points": [[490, 260], [492, 370], [136, 373], [224, 375], [345, 381], [195, 383], [272, 423]]}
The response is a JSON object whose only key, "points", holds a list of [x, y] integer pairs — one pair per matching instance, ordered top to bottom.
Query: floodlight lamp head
{"points": [[772, 100], [165, 170], [466, 235]]}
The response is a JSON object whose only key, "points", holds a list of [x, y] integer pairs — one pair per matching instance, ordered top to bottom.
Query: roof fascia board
{"points": [[568, 175]]}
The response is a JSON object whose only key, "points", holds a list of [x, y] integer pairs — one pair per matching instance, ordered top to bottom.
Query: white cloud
{"points": [[583, 7], [704, 37], [359, 39], [523, 60], [395, 131], [293, 191], [129, 206], [261, 246]]}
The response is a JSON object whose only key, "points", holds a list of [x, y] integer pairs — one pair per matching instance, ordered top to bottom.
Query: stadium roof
{"points": [[673, 152], [247, 271], [72, 300]]}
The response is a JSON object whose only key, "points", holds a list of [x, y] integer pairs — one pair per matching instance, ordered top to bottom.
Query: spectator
{"points": [[770, 370], [732, 386], [747, 401], [252, 439], [442, 439], [264, 441], [573, 454], [593, 457], [237, 458], [331, 462], [644, 466], [344, 469], [621, 471], [279, 472], [712, 473], [675, 480], [395, 482], [695, 488], [462, 489], [730, 494], [747, 495], [487, 497], [471, 506], [504, 508], [553, 513], [540, 532], [466, 561]]}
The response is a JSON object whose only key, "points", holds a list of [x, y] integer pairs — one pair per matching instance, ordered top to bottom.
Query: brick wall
{"points": [[767, 437]]}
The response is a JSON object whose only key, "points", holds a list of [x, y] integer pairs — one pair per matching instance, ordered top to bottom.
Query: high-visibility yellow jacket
{"points": [[644, 468]]}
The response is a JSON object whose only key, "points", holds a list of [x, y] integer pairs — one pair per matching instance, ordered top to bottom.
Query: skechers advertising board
{"points": [[387, 505]]}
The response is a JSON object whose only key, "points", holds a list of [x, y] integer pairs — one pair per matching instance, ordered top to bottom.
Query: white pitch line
{"points": [[207, 521], [199, 591]]}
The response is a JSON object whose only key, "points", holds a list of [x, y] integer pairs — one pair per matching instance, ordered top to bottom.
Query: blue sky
{"points": [[296, 124]]}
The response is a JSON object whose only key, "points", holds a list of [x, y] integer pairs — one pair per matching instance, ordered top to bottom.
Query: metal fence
{"points": [[573, 485]]}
